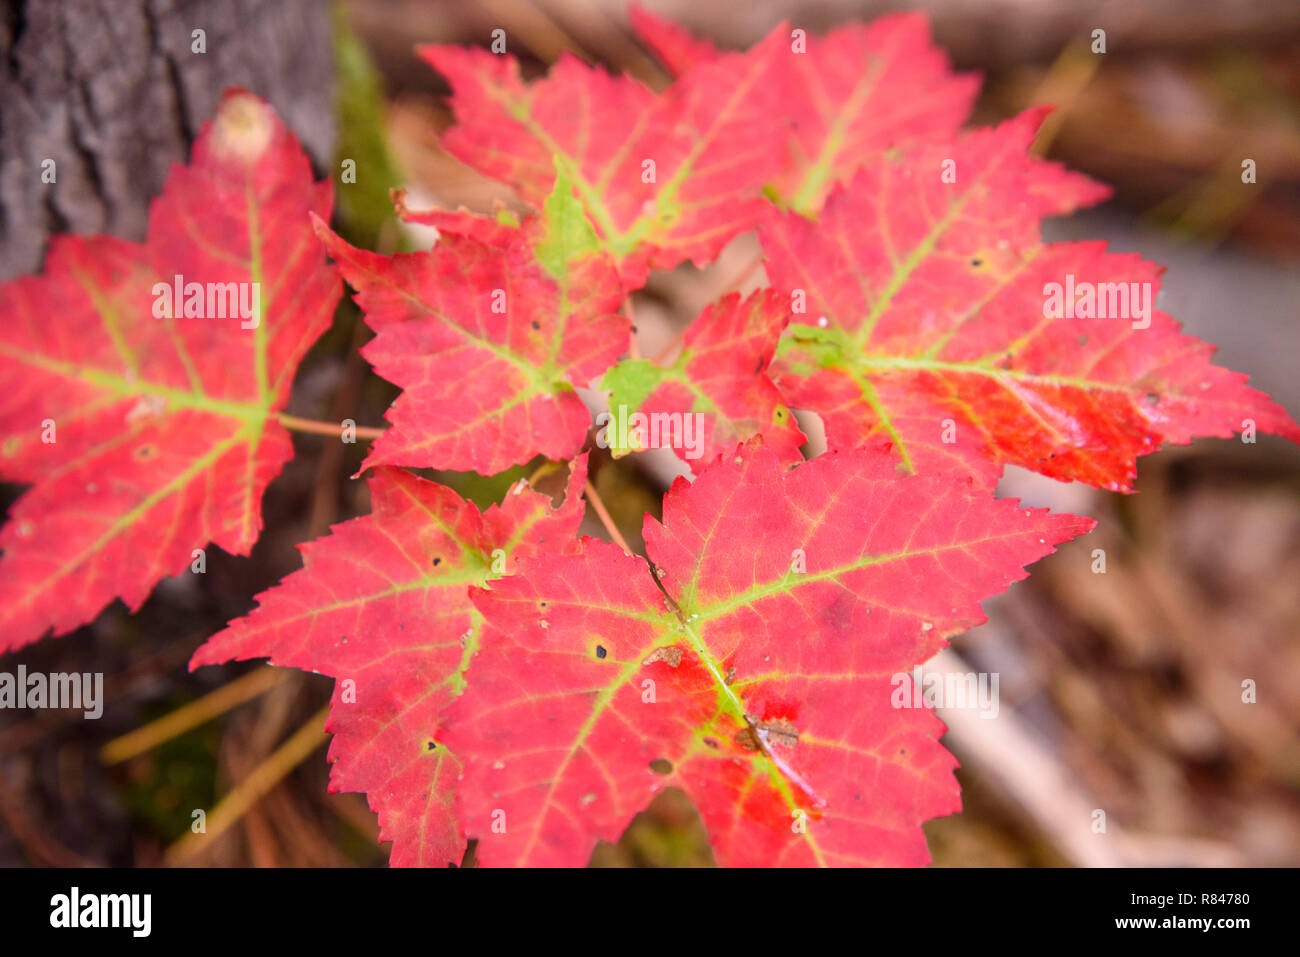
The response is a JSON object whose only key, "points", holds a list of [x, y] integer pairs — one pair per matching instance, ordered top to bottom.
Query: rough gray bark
{"points": [[112, 92]]}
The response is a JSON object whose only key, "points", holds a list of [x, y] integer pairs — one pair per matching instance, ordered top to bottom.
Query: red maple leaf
{"points": [[671, 43], [845, 97], [663, 177], [933, 329], [488, 334], [720, 378], [147, 427], [382, 606], [752, 664]]}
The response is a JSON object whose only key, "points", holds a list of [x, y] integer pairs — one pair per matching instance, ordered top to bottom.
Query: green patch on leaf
{"points": [[567, 235]]}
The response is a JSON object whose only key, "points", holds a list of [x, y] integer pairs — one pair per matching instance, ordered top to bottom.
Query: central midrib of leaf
{"points": [[821, 169], [667, 212], [834, 351], [539, 383], [126, 388], [730, 704]]}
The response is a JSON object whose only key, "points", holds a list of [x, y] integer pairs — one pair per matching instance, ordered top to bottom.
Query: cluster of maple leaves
{"points": [[499, 678]]}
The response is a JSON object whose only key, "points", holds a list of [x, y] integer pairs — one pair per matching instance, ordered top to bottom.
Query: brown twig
{"points": [[325, 428], [602, 513]]}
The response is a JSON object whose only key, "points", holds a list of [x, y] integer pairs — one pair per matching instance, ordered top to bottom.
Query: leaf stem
{"points": [[325, 428], [602, 513]]}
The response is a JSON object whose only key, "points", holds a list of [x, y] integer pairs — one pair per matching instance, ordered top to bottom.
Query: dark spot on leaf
{"points": [[977, 262], [536, 324], [1083, 339], [1153, 398], [145, 452], [437, 562], [838, 613], [600, 651], [711, 743], [431, 746], [661, 766]]}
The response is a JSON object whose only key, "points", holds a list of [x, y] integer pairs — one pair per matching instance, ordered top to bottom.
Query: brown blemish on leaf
{"points": [[671, 654], [781, 731], [754, 735]]}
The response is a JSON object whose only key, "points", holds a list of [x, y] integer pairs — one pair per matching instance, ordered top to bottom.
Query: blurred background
{"points": [[1121, 691]]}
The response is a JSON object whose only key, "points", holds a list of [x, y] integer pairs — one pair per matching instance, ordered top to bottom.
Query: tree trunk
{"points": [[114, 92]]}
